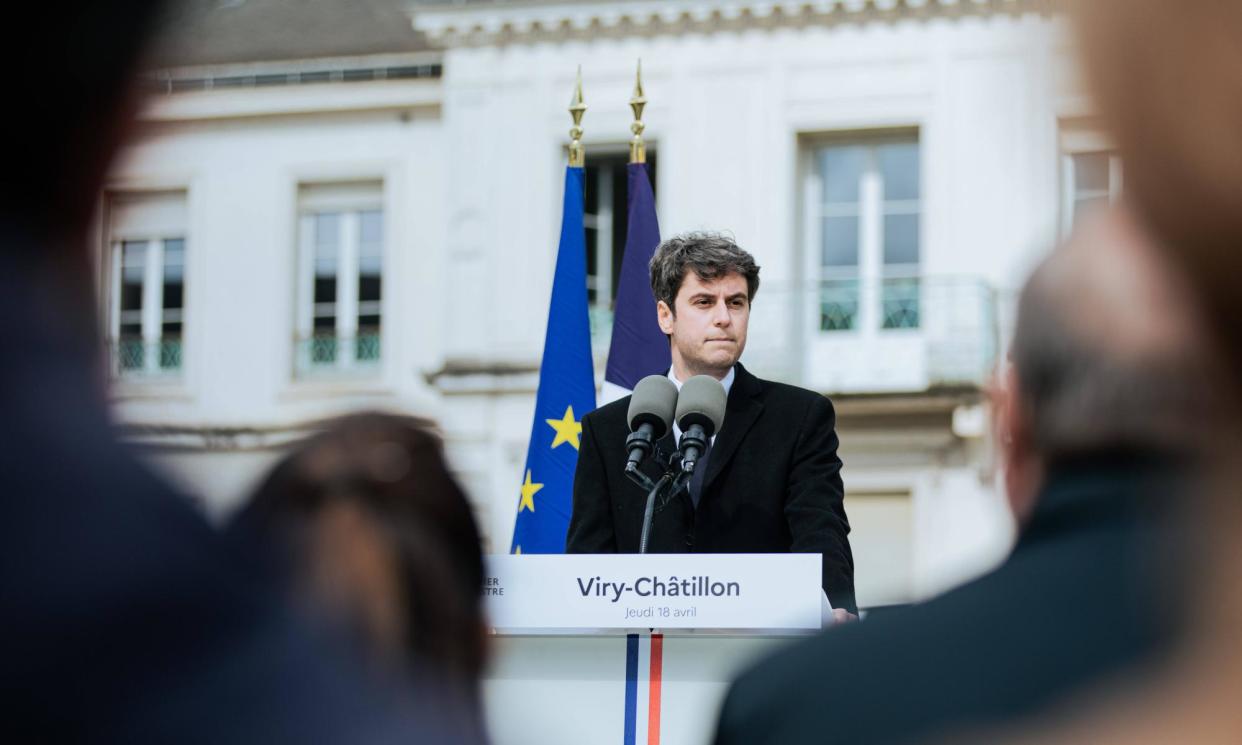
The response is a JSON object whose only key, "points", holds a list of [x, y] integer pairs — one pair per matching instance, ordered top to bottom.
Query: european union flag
{"points": [[639, 348], [566, 392]]}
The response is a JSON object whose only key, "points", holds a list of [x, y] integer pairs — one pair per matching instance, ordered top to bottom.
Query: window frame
{"points": [[1077, 139], [349, 200], [870, 274], [153, 315]]}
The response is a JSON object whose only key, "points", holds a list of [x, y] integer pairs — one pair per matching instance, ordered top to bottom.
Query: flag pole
{"points": [[638, 148], [577, 153]]}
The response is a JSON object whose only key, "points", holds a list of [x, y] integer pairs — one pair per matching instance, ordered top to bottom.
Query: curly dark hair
{"points": [[708, 255]]}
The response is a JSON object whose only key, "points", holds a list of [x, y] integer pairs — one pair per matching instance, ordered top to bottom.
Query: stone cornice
{"points": [[500, 23]]}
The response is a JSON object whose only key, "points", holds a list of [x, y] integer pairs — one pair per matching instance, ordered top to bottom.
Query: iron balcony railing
{"points": [[950, 325], [324, 353], [136, 357]]}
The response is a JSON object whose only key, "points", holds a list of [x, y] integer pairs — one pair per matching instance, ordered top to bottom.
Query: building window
{"points": [[1090, 179], [865, 203], [605, 217], [340, 269], [146, 288], [881, 537]]}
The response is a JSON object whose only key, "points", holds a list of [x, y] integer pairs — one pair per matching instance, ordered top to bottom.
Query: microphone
{"points": [[700, 412], [650, 415]]}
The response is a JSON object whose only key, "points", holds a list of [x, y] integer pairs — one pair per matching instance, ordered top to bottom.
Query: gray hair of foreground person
{"points": [[708, 255], [1108, 350]]}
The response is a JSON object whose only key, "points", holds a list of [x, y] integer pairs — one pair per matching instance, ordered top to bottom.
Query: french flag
{"points": [[638, 347]]}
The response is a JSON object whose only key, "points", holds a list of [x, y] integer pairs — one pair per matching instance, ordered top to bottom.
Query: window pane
{"points": [[899, 167], [841, 169], [1091, 172], [590, 195], [371, 225], [327, 238], [901, 239], [840, 241], [592, 251], [370, 256], [174, 258], [133, 269], [174, 273], [369, 288], [325, 292], [900, 303], [838, 305], [170, 346], [367, 346], [322, 349], [131, 353], [884, 557]]}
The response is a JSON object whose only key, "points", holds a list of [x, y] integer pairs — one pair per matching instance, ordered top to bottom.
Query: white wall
{"points": [[473, 167], [241, 176]]}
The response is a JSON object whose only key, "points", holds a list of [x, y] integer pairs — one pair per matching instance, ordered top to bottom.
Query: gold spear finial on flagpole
{"points": [[638, 148], [577, 153]]}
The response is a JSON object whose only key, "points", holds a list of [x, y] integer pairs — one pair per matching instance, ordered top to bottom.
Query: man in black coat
{"points": [[1097, 432], [772, 481]]}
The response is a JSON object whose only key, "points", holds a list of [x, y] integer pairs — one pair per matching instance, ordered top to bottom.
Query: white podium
{"points": [[634, 650]]}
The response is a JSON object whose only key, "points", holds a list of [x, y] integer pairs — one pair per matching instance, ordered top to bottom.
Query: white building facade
{"points": [[286, 240]]}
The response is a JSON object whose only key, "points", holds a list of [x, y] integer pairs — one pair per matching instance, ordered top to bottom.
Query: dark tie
{"points": [[700, 471]]}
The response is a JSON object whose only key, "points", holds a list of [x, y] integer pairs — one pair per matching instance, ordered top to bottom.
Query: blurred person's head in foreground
{"points": [[1167, 79], [77, 104], [1108, 359], [382, 540], [125, 618]]}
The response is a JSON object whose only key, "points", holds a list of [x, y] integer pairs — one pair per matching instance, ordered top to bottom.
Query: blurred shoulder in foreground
{"points": [[1096, 426], [124, 617]]}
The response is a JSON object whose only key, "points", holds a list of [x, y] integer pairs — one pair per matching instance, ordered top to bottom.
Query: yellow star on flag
{"points": [[567, 430], [528, 494], [518, 551]]}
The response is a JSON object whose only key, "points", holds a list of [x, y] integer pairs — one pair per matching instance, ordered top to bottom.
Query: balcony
{"points": [[868, 335], [328, 353], [133, 357]]}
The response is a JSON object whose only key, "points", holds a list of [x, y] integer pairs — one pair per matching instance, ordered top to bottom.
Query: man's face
{"points": [[708, 327]]}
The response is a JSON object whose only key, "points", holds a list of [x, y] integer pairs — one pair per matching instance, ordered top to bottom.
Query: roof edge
{"points": [[473, 24]]}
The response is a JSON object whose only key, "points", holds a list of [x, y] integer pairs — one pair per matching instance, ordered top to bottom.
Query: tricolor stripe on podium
{"points": [[644, 673]]}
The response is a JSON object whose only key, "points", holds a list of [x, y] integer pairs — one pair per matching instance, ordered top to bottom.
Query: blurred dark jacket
{"points": [[1080, 600], [124, 618]]}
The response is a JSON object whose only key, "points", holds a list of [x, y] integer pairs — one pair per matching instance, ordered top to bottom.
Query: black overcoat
{"points": [[773, 485]]}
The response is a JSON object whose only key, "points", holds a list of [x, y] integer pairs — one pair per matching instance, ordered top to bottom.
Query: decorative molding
{"points": [[501, 23], [413, 98], [474, 377], [173, 438], [214, 438]]}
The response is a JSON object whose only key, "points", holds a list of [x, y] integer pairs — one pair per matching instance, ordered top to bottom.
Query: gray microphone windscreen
{"points": [[702, 401], [653, 402]]}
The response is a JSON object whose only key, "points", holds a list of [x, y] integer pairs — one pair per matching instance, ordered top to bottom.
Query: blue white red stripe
{"points": [[644, 677]]}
